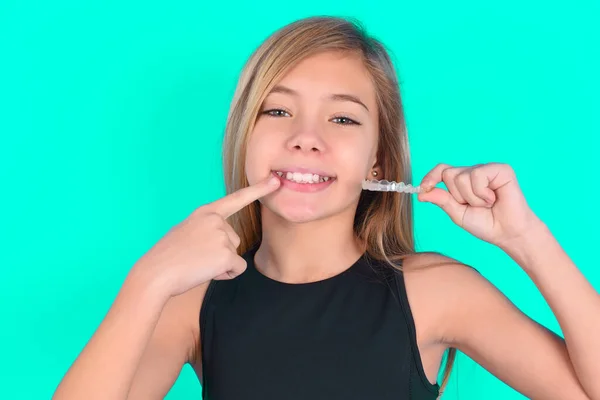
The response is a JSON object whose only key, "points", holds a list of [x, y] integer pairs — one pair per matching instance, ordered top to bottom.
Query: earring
{"points": [[374, 173]]}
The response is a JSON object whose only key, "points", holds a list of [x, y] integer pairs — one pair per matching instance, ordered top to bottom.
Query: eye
{"points": [[276, 112], [343, 120]]}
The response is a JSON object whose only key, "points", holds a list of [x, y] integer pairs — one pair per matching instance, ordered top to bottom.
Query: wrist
{"points": [[531, 246], [147, 285]]}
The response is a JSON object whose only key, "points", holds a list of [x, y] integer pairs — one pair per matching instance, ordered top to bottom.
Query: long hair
{"points": [[383, 221]]}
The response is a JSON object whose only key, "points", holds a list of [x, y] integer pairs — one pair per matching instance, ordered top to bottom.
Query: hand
{"points": [[485, 200], [203, 246]]}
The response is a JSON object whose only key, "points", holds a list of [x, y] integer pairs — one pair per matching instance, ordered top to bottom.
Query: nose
{"points": [[306, 138]]}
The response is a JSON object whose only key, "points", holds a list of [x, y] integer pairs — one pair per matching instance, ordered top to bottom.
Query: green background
{"points": [[111, 121]]}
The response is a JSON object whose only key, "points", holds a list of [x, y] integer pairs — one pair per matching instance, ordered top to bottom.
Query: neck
{"points": [[306, 252]]}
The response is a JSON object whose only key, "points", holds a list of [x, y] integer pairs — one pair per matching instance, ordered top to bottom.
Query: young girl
{"points": [[300, 285]]}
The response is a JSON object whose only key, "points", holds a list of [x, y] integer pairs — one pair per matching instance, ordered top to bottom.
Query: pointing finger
{"points": [[234, 202]]}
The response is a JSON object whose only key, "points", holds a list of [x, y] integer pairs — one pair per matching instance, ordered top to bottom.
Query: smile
{"points": [[305, 178]]}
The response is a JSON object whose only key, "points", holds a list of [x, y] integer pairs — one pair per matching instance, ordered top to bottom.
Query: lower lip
{"points": [[303, 187]]}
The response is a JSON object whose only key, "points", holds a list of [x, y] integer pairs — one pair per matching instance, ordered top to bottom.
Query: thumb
{"points": [[445, 201]]}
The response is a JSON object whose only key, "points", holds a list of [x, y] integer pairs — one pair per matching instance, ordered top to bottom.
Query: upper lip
{"points": [[303, 170]]}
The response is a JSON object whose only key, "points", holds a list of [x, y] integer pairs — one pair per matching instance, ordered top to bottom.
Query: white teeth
{"points": [[302, 178]]}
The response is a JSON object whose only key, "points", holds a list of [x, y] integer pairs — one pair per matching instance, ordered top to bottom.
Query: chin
{"points": [[294, 213]]}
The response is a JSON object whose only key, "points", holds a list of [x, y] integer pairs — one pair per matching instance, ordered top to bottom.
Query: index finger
{"points": [[435, 176], [235, 201]]}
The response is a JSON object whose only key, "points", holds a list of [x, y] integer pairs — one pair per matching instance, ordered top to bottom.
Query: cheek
{"points": [[259, 155], [354, 160]]}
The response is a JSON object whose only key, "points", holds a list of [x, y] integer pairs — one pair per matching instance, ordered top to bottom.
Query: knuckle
{"points": [[443, 166], [509, 168], [476, 172], [447, 174], [463, 177], [202, 210], [214, 219], [222, 237], [240, 264]]}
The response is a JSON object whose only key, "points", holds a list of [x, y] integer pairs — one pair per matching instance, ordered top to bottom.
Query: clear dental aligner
{"points": [[387, 186]]}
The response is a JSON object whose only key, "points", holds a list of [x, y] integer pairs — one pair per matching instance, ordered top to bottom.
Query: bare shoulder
{"points": [[438, 269], [438, 287]]}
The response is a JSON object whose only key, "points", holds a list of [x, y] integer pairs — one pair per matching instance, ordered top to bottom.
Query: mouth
{"points": [[304, 180]]}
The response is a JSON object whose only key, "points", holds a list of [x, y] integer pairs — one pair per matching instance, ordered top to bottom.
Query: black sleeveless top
{"points": [[349, 337]]}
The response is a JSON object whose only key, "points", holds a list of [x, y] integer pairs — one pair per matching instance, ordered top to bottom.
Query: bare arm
{"points": [[486, 200], [574, 301], [469, 313], [152, 329], [175, 342], [140, 347], [520, 352]]}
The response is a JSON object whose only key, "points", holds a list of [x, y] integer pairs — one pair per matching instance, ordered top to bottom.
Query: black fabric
{"points": [[347, 337]]}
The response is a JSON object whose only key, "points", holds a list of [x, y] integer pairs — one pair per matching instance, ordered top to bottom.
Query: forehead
{"points": [[331, 72]]}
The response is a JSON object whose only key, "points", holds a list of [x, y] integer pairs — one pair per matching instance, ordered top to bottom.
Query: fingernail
{"points": [[274, 181]]}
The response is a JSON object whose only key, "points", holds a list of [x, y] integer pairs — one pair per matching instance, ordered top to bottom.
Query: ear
{"points": [[375, 172]]}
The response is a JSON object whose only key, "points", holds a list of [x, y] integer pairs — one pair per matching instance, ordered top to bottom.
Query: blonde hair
{"points": [[383, 221]]}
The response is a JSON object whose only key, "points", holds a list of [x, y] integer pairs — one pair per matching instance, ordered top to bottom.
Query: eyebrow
{"points": [[333, 97]]}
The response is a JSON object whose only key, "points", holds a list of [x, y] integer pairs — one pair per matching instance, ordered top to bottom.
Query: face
{"points": [[317, 130]]}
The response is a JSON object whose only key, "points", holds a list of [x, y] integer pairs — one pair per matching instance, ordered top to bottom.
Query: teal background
{"points": [[111, 121]]}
